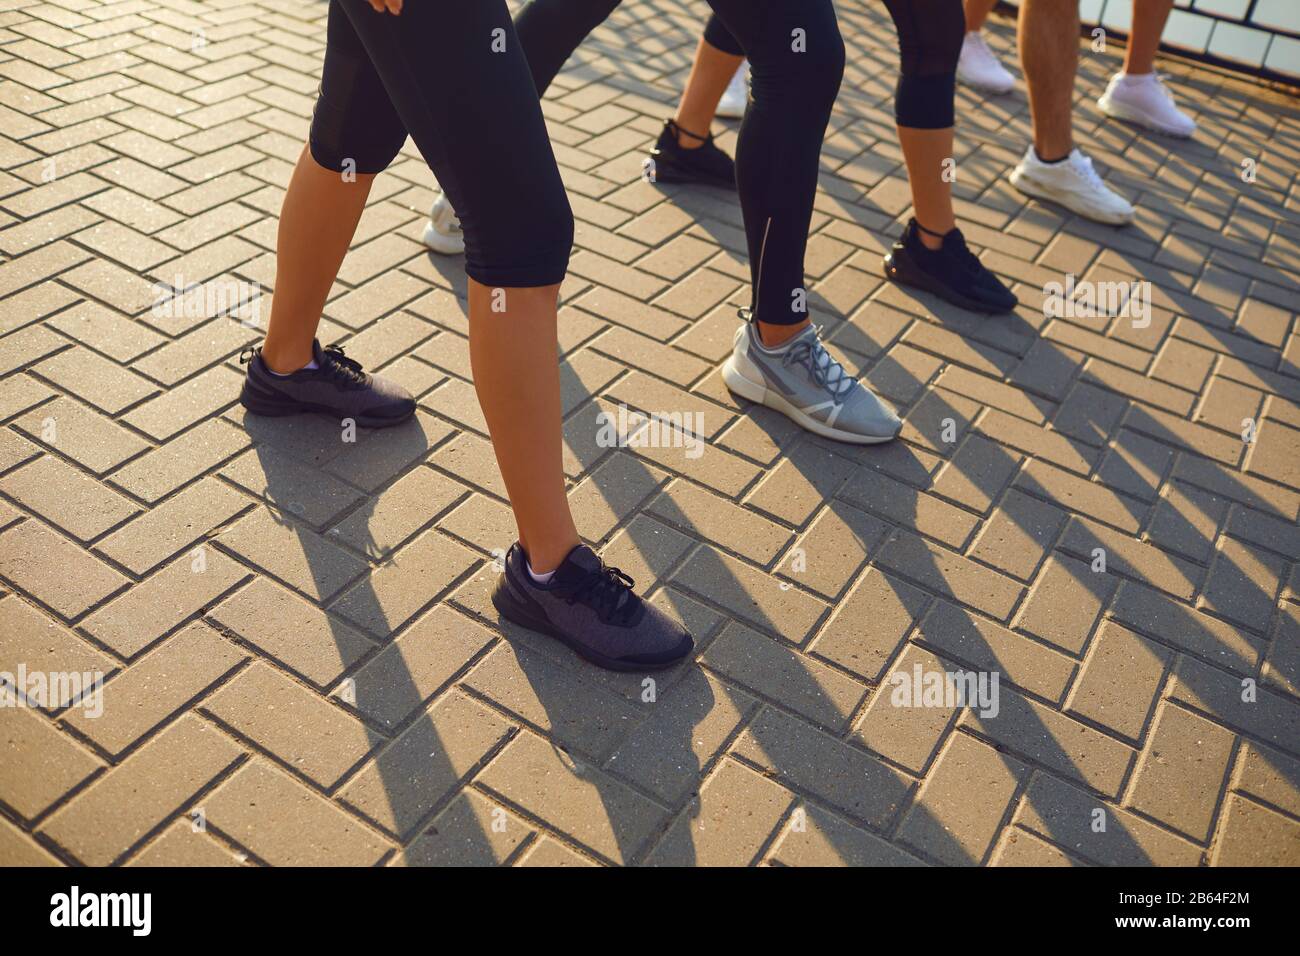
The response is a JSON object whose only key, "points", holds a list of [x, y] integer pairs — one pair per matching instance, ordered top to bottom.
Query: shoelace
{"points": [[1083, 166], [955, 248], [821, 365], [341, 368], [609, 591]]}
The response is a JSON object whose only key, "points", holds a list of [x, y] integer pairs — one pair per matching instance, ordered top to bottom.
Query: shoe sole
{"points": [[985, 87], [1121, 112], [680, 179], [1036, 191], [440, 243], [903, 271], [762, 395], [283, 409], [511, 609]]}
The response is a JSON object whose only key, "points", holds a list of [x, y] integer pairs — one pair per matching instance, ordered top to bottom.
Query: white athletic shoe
{"points": [[979, 67], [1144, 99], [732, 104], [1074, 184], [442, 232]]}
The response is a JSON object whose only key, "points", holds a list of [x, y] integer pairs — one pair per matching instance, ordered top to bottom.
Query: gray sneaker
{"points": [[806, 383], [336, 387], [592, 608]]}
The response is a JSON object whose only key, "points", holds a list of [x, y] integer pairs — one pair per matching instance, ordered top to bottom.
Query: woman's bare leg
{"points": [[977, 11], [710, 74], [925, 151], [320, 213], [517, 378]]}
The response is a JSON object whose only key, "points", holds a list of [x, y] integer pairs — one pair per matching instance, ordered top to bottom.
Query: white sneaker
{"points": [[979, 67], [1144, 99], [732, 104], [1074, 184], [442, 232]]}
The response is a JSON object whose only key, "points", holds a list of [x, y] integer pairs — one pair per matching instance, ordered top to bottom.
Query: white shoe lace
{"points": [[1083, 167], [822, 366]]}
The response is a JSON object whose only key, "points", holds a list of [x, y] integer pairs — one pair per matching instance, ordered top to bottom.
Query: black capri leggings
{"points": [[551, 30], [929, 42], [451, 73]]}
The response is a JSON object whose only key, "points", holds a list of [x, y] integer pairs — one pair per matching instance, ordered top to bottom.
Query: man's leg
{"points": [[977, 11], [1149, 18], [1048, 35], [1137, 94]]}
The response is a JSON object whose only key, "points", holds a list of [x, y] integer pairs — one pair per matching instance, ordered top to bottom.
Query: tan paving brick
{"points": [[85, 436], [161, 471], [67, 498], [152, 538], [293, 554], [950, 574], [63, 576], [749, 594], [869, 625], [1179, 625], [150, 691], [442, 748], [803, 759], [41, 763], [1180, 773], [578, 800], [126, 803], [959, 809], [1073, 819], [287, 824], [727, 824], [472, 831], [1251, 835], [181, 844]]}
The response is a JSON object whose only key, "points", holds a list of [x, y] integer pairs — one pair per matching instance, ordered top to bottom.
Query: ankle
{"points": [[686, 136], [932, 239], [774, 336], [284, 361], [542, 560]]}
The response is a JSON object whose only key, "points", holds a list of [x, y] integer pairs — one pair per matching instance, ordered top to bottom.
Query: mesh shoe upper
{"points": [[338, 385]]}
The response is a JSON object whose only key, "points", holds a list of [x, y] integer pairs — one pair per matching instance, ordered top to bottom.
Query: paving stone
{"points": [[88, 438], [161, 471], [291, 485], [1076, 494], [67, 498], [896, 502], [697, 511], [384, 523], [1017, 535], [150, 539], [293, 554], [827, 557], [950, 574], [66, 578], [1243, 584], [171, 595], [750, 595], [1186, 629], [987, 647], [413, 669], [796, 681], [1120, 681], [155, 687], [1232, 702], [273, 712], [442, 748], [808, 761], [41, 763], [1180, 772], [1269, 776], [131, 799], [578, 800], [959, 810], [1070, 818], [286, 824], [727, 824], [471, 831], [1251, 835], [826, 840], [181, 845]]}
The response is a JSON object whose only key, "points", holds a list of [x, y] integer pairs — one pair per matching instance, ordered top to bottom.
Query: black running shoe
{"points": [[704, 164], [952, 272], [336, 387], [592, 608]]}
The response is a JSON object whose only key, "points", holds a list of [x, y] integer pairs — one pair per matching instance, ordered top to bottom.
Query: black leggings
{"points": [[551, 30], [929, 42], [474, 114]]}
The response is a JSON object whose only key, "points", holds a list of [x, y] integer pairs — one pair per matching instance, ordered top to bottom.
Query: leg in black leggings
{"points": [[551, 30], [929, 42], [796, 61], [380, 83]]}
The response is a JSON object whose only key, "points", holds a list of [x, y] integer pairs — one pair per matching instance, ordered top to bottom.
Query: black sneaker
{"points": [[704, 164], [952, 272], [336, 387], [592, 608]]}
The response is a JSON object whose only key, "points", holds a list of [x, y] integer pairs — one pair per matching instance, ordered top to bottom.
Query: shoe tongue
{"points": [[579, 563]]}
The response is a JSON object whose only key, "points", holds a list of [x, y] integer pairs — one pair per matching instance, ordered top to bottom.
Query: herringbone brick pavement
{"points": [[301, 664]]}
